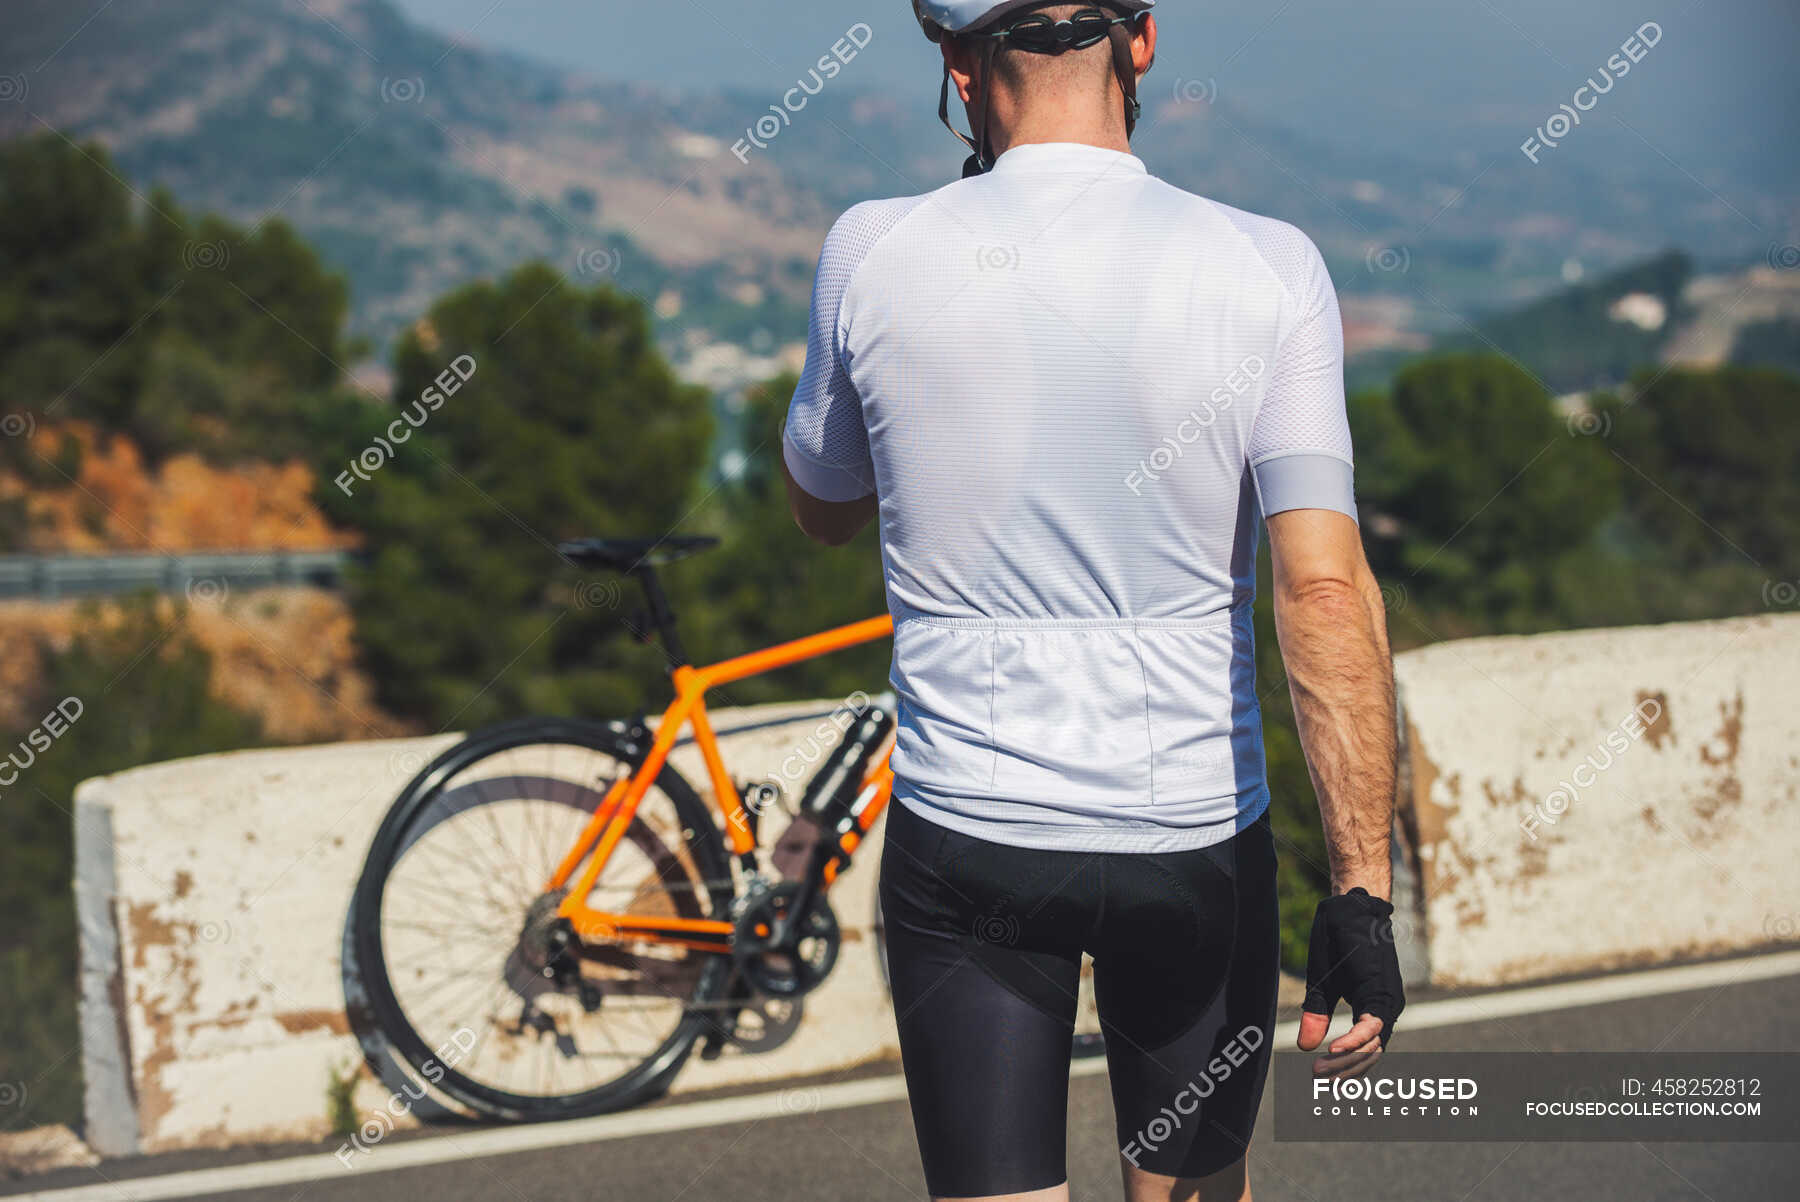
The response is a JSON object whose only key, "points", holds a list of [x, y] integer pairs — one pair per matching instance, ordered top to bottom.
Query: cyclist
{"points": [[1073, 393]]}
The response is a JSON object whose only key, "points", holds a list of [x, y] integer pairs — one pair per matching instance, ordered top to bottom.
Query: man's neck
{"points": [[1059, 124]]}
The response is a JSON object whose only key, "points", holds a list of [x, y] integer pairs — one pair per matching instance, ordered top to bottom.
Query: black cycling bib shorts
{"points": [[984, 944]]}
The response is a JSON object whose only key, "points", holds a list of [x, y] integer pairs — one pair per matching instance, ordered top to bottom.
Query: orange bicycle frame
{"points": [[613, 816]]}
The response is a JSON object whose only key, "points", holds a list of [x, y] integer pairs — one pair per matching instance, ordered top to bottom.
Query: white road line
{"points": [[1596, 991], [1540, 999], [807, 1099]]}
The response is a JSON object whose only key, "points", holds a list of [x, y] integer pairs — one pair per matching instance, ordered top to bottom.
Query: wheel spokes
{"points": [[462, 955]]}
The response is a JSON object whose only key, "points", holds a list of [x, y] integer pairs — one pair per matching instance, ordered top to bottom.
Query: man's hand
{"points": [[1351, 956]]}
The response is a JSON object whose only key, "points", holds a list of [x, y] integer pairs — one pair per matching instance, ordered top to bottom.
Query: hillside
{"points": [[411, 163], [414, 163], [1595, 334], [100, 494], [285, 656]]}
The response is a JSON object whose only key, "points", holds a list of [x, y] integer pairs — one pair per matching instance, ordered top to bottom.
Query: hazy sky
{"points": [[1719, 91]]}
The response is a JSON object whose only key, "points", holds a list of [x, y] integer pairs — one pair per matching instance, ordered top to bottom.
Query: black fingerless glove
{"points": [[1352, 956]]}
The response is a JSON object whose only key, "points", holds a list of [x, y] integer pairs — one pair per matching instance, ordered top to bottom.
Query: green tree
{"points": [[75, 273], [183, 333], [1773, 342], [569, 424], [1711, 461], [1474, 490], [141, 695]]}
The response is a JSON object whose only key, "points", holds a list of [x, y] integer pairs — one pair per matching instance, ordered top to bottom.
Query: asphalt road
{"points": [[786, 1151]]}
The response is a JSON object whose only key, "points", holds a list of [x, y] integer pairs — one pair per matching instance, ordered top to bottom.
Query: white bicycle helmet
{"points": [[1033, 32]]}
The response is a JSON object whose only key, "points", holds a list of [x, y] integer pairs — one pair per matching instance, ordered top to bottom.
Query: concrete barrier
{"points": [[1590, 800], [1570, 803], [216, 990]]}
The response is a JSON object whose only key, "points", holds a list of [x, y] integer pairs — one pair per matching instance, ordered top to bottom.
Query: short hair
{"points": [[1023, 72]]}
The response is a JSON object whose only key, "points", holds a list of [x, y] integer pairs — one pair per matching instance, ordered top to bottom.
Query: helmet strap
{"points": [[1127, 73], [977, 139]]}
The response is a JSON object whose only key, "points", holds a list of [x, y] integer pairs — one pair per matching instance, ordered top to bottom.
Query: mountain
{"points": [[414, 163], [1593, 335], [1596, 335]]}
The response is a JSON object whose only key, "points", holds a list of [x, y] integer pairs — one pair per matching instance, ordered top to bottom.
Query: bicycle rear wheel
{"points": [[450, 916]]}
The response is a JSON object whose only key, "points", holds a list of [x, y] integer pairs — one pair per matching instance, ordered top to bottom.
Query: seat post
{"points": [[662, 618]]}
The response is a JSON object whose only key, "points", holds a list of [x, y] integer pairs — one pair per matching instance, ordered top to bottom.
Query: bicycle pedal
{"points": [[723, 1029]]}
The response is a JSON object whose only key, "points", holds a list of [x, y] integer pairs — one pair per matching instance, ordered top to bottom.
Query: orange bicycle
{"points": [[549, 917]]}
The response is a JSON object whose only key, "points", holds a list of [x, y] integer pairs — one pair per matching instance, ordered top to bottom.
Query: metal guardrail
{"points": [[49, 577]]}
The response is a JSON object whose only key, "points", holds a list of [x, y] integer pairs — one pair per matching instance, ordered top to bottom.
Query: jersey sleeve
{"points": [[825, 442], [1299, 450]]}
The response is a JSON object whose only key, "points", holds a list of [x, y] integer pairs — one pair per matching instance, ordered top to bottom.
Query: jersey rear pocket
{"points": [[1070, 714], [1203, 720]]}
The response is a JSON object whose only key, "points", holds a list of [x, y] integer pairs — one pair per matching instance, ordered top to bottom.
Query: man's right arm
{"points": [[1332, 625]]}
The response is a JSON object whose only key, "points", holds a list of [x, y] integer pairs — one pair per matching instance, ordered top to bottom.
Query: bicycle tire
{"points": [[651, 1077]]}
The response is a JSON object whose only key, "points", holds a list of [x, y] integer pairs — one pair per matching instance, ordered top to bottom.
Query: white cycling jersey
{"points": [[1074, 388]]}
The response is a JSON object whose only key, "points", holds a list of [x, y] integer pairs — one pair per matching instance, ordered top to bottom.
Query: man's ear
{"points": [[1143, 45], [959, 56]]}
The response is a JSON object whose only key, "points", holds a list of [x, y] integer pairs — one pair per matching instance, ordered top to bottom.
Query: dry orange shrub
{"points": [[119, 503]]}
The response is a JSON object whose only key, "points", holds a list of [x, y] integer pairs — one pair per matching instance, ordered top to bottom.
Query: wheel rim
{"points": [[453, 930]]}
